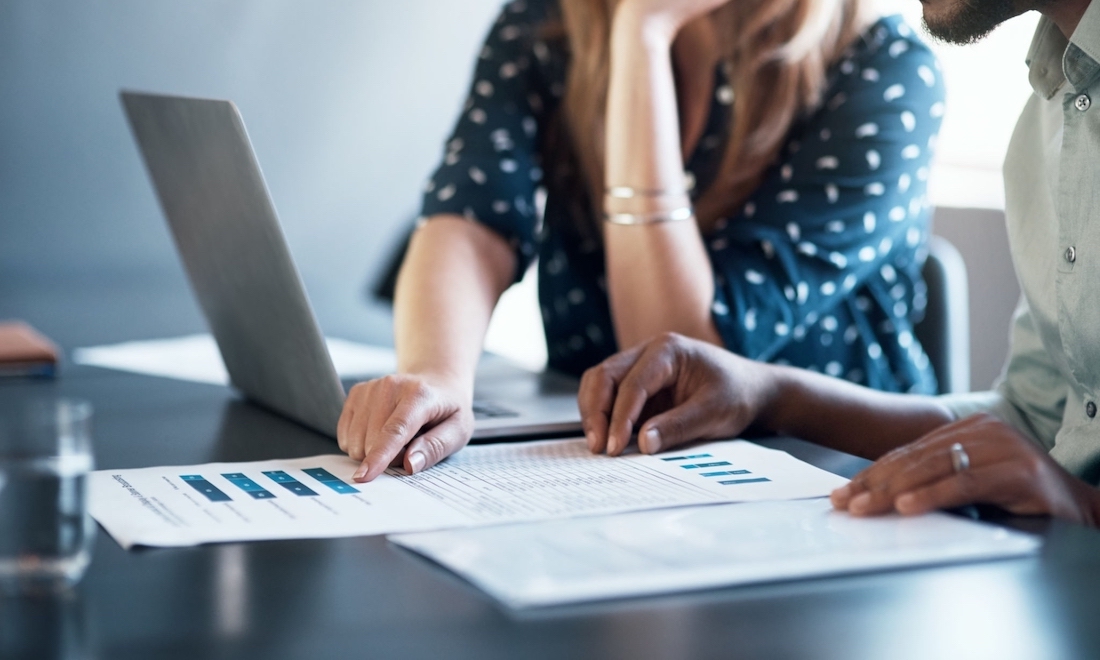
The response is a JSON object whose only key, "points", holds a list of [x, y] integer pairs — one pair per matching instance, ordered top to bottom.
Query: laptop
{"points": [[212, 192]]}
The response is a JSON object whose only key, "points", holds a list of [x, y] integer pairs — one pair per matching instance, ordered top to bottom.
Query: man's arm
{"points": [[698, 391], [708, 392], [980, 459]]}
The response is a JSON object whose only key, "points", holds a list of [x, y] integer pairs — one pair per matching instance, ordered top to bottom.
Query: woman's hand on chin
{"points": [[666, 17]]}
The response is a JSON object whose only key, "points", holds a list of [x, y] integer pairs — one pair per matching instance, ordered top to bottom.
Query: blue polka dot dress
{"points": [[820, 268]]}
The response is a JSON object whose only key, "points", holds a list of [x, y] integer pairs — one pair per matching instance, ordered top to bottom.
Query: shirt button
{"points": [[1082, 102], [1071, 254], [1090, 409]]}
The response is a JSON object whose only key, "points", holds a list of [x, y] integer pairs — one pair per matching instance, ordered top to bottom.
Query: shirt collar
{"points": [[1053, 60]]}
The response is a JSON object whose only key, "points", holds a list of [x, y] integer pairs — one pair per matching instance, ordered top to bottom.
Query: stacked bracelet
{"points": [[677, 199], [675, 215]]}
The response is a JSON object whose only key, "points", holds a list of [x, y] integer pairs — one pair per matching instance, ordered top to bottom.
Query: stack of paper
{"points": [[571, 549], [653, 552]]}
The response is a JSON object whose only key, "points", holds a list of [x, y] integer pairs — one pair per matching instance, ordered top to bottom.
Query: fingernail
{"points": [[590, 439], [650, 443], [416, 461], [361, 473], [904, 502], [861, 503]]}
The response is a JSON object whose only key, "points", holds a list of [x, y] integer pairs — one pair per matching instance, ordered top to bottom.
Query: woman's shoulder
{"points": [[529, 14], [524, 28], [890, 41], [888, 57]]}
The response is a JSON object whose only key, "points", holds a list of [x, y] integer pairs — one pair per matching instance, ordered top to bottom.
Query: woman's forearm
{"points": [[643, 132], [658, 274], [453, 275], [659, 280]]}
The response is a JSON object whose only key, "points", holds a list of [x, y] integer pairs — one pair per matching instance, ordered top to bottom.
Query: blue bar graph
{"points": [[685, 458], [696, 466], [724, 474], [330, 480], [733, 482], [290, 483], [254, 489], [209, 490]]}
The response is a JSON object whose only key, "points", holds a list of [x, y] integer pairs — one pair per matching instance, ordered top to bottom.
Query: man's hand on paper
{"points": [[673, 390], [676, 390], [409, 420], [1004, 468]]}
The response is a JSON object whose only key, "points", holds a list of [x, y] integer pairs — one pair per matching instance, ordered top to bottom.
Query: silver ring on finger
{"points": [[960, 460]]}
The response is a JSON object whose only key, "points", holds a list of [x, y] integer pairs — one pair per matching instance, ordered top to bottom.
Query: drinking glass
{"points": [[45, 457]]}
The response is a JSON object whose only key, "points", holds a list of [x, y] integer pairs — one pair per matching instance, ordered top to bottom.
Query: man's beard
{"points": [[969, 21]]}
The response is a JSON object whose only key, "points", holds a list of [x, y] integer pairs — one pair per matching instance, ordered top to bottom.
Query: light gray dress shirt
{"points": [[1050, 387]]}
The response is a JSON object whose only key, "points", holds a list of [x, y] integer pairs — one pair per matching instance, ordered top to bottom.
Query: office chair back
{"points": [[945, 329]]}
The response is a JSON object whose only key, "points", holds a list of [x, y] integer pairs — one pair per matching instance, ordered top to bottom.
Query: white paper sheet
{"points": [[196, 358], [480, 485], [568, 561]]}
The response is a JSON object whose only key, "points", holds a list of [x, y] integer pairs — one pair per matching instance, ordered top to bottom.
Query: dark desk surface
{"points": [[362, 597]]}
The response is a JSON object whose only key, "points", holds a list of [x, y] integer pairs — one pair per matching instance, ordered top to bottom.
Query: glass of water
{"points": [[45, 457]]}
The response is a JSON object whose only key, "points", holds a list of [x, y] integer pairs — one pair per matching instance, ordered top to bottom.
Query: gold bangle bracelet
{"points": [[675, 215]]}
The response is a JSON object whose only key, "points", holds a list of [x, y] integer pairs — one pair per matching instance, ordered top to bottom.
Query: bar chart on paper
{"points": [[707, 469], [330, 480], [290, 483], [484, 485], [253, 489], [208, 490], [257, 492], [298, 498]]}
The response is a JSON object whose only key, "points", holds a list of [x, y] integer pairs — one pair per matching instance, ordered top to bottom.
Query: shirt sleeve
{"points": [[490, 169], [845, 203], [1031, 393]]}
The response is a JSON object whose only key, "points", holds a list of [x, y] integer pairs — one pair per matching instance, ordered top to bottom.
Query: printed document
{"points": [[481, 485], [650, 552]]}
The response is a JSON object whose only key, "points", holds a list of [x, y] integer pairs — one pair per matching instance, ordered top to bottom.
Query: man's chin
{"points": [[965, 21]]}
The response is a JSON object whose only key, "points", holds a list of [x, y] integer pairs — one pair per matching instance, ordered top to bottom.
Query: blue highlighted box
{"points": [[685, 458], [696, 466], [730, 473], [331, 480], [734, 482], [290, 483], [254, 489], [209, 490]]}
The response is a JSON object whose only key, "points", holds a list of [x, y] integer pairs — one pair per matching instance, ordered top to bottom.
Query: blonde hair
{"points": [[777, 53]]}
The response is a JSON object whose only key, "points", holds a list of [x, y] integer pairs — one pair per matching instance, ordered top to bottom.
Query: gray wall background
{"points": [[347, 104]]}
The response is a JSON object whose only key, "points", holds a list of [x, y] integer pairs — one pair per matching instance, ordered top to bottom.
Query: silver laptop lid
{"points": [[226, 230]]}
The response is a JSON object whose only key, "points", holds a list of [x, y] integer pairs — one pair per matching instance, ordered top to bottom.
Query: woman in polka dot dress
{"points": [[747, 173]]}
